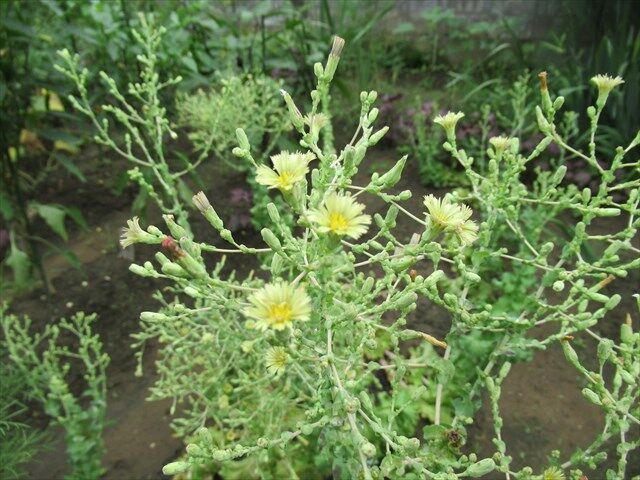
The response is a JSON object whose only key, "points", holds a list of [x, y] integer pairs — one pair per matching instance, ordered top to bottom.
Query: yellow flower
{"points": [[606, 83], [448, 122], [289, 168], [442, 213], [340, 215], [445, 215], [466, 232], [278, 305], [276, 359], [553, 473]]}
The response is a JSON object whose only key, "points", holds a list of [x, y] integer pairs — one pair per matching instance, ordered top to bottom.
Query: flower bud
{"points": [[334, 58], [318, 70], [294, 113], [373, 114], [543, 124], [376, 137], [243, 141], [239, 152], [393, 176], [274, 215], [176, 230], [271, 240], [138, 270], [174, 270], [153, 317], [591, 396], [368, 449], [194, 450], [174, 468], [481, 468]]}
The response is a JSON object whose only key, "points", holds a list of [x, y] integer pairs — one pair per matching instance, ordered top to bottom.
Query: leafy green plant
{"points": [[253, 102], [146, 125], [33, 144], [44, 361], [281, 374]]}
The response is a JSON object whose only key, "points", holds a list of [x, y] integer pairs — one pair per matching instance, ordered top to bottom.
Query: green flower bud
{"points": [[318, 70], [557, 103], [373, 115], [543, 124], [377, 136], [243, 141], [239, 152], [559, 175], [393, 176], [404, 195], [606, 212], [274, 215], [176, 230], [270, 239], [192, 266], [138, 270], [174, 270], [471, 277], [368, 285], [558, 285], [192, 292], [613, 302], [153, 317], [626, 334], [570, 354], [591, 396], [351, 404], [368, 449], [194, 450], [175, 468], [481, 468]]}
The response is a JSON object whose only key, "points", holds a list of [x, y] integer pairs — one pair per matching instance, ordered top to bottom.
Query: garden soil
{"points": [[541, 402]]}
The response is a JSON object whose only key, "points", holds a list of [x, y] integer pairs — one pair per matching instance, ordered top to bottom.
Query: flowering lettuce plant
{"points": [[307, 365]]}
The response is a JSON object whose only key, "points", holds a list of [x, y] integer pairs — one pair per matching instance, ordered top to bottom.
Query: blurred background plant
{"points": [[44, 362], [19, 442]]}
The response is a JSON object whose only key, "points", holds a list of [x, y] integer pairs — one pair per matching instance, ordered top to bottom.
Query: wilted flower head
{"points": [[606, 83], [448, 122], [500, 143], [289, 168], [201, 202], [340, 215], [133, 233], [278, 305], [276, 359]]}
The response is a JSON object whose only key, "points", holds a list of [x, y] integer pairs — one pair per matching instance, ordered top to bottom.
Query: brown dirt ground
{"points": [[541, 403]]}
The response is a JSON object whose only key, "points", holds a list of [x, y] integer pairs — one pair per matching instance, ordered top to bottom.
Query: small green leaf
{"points": [[68, 164], [6, 208], [54, 216], [76, 216], [72, 259], [21, 265]]}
